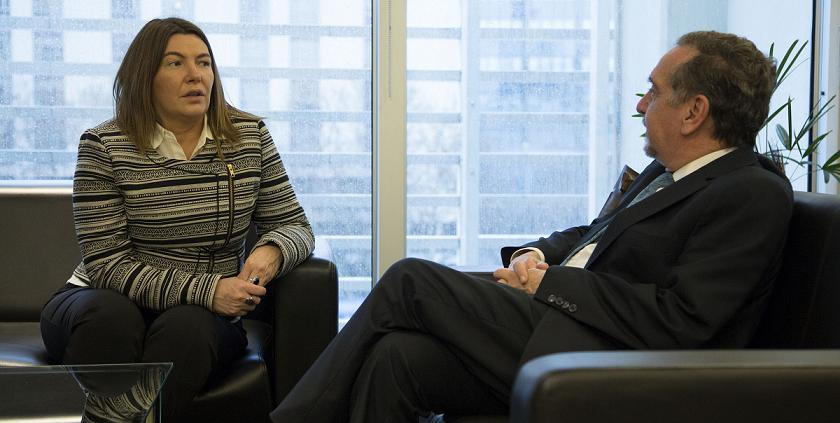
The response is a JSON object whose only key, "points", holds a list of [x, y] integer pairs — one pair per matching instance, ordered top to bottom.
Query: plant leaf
{"points": [[782, 64], [787, 64], [777, 111], [815, 114], [790, 129], [783, 136], [814, 144], [832, 161], [800, 163], [833, 170]]}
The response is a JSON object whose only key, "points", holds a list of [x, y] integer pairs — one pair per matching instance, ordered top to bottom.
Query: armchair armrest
{"points": [[305, 320], [687, 386]]}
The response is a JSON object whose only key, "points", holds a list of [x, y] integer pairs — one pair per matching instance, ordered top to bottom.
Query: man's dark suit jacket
{"points": [[689, 267]]}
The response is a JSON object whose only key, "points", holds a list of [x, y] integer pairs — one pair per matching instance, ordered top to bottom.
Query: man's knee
{"points": [[407, 266], [410, 271]]}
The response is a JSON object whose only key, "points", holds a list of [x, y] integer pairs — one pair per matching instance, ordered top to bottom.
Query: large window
{"points": [[303, 65], [518, 112], [512, 124]]}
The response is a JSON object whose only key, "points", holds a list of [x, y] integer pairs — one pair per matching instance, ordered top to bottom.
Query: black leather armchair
{"points": [[286, 333], [791, 373]]}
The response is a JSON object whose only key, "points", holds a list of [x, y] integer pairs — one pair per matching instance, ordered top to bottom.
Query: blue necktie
{"points": [[660, 182], [655, 185]]}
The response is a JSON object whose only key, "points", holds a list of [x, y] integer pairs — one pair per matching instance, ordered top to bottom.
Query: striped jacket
{"points": [[163, 231]]}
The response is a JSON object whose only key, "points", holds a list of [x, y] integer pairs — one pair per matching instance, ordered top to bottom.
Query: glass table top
{"points": [[86, 393]]}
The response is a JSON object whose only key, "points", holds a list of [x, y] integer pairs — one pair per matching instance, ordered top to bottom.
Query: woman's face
{"points": [[182, 86]]}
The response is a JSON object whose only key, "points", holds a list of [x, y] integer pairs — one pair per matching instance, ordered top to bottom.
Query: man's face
{"points": [[662, 119]]}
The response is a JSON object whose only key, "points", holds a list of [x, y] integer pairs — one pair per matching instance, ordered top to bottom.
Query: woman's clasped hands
{"points": [[239, 295]]}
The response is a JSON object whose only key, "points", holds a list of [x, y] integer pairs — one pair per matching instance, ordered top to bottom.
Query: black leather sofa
{"points": [[285, 334], [790, 373]]}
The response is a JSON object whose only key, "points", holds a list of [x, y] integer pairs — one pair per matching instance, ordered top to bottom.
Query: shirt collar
{"points": [[162, 134], [697, 163]]}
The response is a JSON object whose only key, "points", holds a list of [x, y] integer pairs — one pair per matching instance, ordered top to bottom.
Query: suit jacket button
{"points": [[551, 298], [572, 308]]}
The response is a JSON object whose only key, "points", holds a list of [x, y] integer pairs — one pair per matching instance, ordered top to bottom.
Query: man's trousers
{"points": [[428, 339]]}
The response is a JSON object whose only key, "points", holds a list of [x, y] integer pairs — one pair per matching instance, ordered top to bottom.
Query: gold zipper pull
{"points": [[230, 170]]}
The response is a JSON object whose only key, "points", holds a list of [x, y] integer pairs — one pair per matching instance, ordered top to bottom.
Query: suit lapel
{"points": [[650, 173], [670, 195]]}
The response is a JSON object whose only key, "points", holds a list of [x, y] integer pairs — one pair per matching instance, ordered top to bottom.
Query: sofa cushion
{"points": [[21, 345]]}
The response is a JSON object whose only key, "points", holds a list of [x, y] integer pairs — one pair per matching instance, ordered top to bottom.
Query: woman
{"points": [[163, 197]]}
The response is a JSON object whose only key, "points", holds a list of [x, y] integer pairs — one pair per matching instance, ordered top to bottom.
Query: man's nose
{"points": [[641, 106]]}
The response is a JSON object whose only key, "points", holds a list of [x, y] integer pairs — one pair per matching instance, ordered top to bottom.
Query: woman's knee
{"points": [[83, 305], [184, 321], [92, 325], [192, 336]]}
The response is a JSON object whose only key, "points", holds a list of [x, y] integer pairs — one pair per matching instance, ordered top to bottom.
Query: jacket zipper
{"points": [[231, 177]]}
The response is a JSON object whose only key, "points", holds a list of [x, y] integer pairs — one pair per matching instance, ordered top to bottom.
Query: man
{"points": [[685, 265]]}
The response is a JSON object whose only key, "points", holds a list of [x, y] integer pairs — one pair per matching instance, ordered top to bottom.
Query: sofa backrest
{"points": [[38, 251], [804, 310]]}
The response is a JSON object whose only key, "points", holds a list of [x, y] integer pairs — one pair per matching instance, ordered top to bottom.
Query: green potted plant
{"points": [[793, 146]]}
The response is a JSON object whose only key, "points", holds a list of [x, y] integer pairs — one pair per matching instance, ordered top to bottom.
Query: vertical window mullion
{"points": [[389, 143], [601, 147], [470, 196]]}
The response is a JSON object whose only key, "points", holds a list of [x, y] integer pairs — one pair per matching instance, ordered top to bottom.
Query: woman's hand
{"points": [[262, 264], [236, 297]]}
